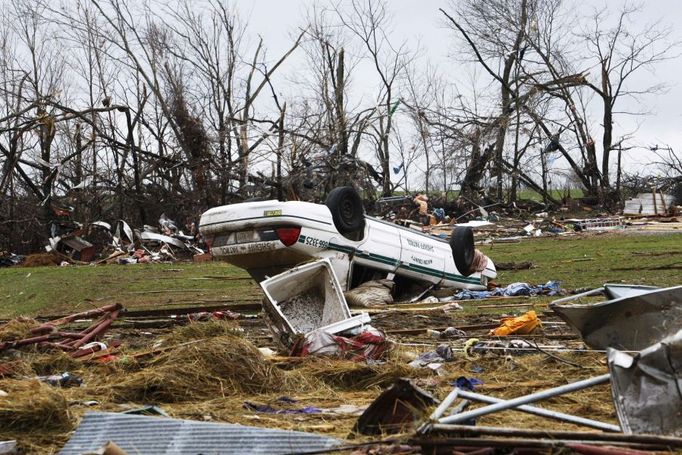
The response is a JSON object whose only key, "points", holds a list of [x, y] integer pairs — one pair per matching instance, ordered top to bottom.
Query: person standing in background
{"points": [[421, 200]]}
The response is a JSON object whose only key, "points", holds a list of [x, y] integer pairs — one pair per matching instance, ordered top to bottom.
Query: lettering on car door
{"points": [[421, 257]]}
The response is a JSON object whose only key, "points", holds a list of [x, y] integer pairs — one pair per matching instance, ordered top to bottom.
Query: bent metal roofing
{"points": [[158, 435]]}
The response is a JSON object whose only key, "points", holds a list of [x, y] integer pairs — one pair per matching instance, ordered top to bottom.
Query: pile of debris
{"points": [[651, 204], [513, 223], [509, 230], [101, 243], [8, 259], [25, 332], [214, 371]]}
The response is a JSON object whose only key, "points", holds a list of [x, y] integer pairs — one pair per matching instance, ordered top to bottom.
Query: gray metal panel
{"points": [[618, 291], [629, 323], [647, 388], [156, 435]]}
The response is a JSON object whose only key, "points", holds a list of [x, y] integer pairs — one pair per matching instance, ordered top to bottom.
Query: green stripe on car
{"points": [[413, 267]]}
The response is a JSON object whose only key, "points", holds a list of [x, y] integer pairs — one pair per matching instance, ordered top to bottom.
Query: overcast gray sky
{"points": [[420, 22]]}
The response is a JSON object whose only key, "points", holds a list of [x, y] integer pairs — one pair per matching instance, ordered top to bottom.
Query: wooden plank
{"points": [[246, 306]]}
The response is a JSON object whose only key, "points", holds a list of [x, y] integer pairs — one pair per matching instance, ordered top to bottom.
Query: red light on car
{"points": [[288, 235]]}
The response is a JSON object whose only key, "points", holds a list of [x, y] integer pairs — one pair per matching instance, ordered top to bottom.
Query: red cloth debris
{"points": [[368, 345]]}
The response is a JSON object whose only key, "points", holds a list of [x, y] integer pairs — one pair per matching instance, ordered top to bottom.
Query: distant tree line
{"points": [[124, 109]]}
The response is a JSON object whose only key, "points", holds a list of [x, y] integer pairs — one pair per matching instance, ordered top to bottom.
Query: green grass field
{"points": [[593, 260], [580, 261], [51, 290]]}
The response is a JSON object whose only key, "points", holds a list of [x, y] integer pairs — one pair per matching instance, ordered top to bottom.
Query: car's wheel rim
{"points": [[346, 209]]}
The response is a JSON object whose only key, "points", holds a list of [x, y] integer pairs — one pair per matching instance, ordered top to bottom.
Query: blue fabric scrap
{"points": [[512, 290], [465, 383]]}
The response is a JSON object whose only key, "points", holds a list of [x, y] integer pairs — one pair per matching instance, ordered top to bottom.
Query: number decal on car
{"points": [[272, 212], [317, 243]]}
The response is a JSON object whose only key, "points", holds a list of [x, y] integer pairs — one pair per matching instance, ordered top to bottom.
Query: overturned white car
{"points": [[269, 237]]}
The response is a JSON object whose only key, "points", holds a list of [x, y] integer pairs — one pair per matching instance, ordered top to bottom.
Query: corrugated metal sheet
{"points": [[649, 204], [156, 435]]}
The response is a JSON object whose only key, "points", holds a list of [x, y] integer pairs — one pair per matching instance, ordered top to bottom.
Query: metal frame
{"points": [[519, 404]]}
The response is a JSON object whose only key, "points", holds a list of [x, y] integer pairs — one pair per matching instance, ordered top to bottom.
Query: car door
{"points": [[380, 248], [422, 257]]}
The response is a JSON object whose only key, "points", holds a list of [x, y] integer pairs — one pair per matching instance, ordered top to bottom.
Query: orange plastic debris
{"points": [[521, 325]]}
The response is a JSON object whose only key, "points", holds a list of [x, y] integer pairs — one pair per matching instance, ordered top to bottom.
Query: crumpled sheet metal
{"points": [[152, 236], [616, 290], [628, 323], [647, 387], [395, 410], [159, 435]]}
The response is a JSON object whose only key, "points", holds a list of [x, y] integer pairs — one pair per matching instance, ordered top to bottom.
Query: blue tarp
{"points": [[513, 290]]}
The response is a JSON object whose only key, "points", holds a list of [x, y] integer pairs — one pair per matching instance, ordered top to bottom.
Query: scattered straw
{"points": [[40, 260], [17, 329], [201, 330], [53, 362], [216, 367], [15, 368], [348, 375], [32, 405]]}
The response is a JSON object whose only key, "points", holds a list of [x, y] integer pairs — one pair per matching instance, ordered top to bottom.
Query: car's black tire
{"points": [[347, 210], [463, 249]]}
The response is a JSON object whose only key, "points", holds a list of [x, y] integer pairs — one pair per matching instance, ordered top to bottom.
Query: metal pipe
{"points": [[577, 296], [49, 326], [101, 328], [27, 341], [444, 405], [461, 406], [545, 412], [463, 417]]}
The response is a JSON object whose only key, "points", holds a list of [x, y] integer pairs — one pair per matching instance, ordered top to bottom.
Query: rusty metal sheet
{"points": [[396, 409]]}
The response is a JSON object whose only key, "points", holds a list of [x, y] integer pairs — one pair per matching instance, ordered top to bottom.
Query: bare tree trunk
{"points": [[339, 90], [280, 150]]}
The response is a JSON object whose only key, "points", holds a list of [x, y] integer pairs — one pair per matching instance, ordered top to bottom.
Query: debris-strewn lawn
{"points": [[591, 260], [585, 261], [50, 290], [213, 371]]}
